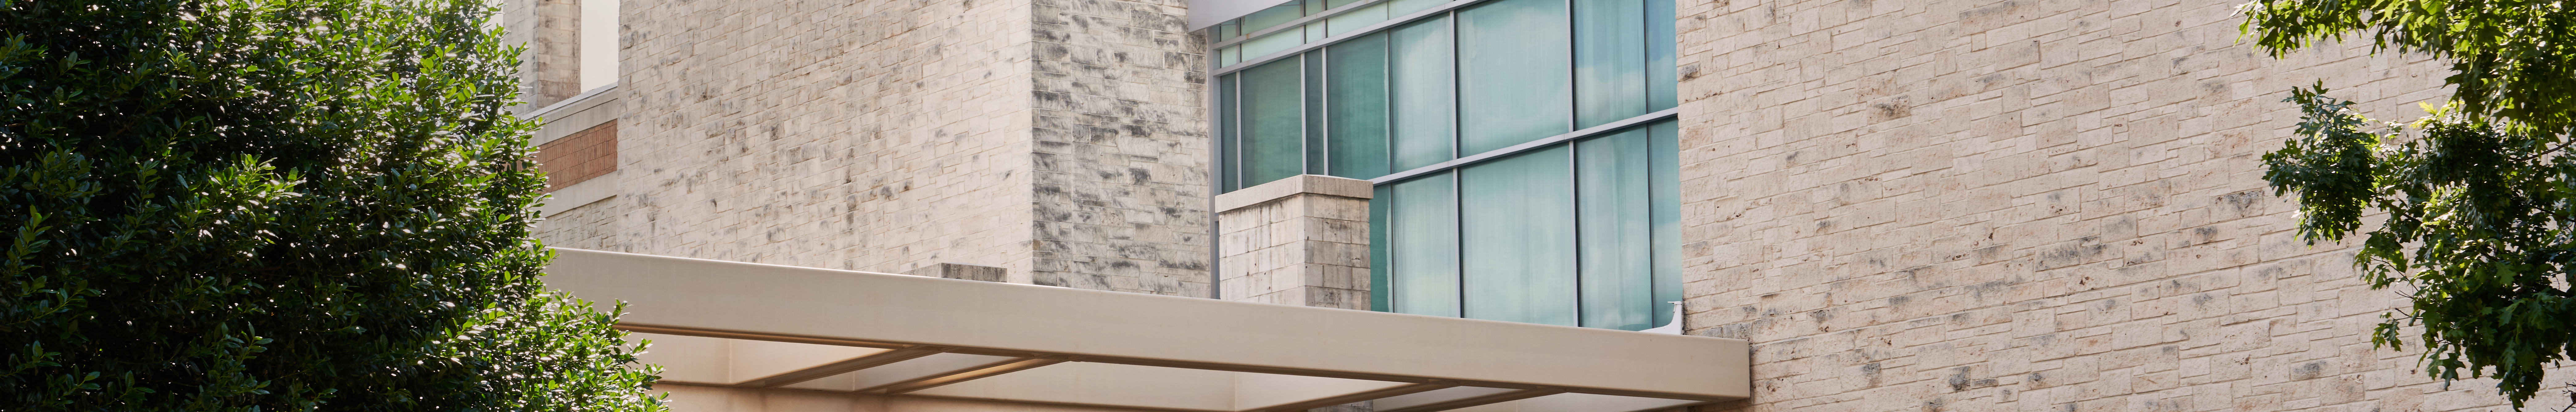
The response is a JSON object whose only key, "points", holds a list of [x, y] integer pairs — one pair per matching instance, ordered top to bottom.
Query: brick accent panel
{"points": [[579, 157], [2024, 205]]}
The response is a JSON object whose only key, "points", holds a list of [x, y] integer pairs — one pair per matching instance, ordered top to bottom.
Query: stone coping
{"points": [[1292, 186]]}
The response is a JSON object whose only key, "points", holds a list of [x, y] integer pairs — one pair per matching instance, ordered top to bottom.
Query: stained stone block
{"points": [[962, 271]]}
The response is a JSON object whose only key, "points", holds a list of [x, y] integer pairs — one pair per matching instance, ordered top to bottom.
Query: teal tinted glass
{"points": [[1403, 7], [1282, 13], [1356, 19], [1609, 60], [1513, 75], [1660, 83], [1420, 84], [1356, 86], [1273, 142], [1229, 161], [1665, 179], [1423, 219], [1517, 222], [1615, 230], [1380, 269]]}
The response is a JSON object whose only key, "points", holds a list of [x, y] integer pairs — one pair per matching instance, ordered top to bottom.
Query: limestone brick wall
{"points": [[554, 52], [875, 135], [1062, 141], [1121, 147], [1983, 205], [1300, 241]]}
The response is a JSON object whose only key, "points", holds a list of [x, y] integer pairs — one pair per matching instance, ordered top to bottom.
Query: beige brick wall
{"points": [[554, 52], [1063, 142], [2023, 205], [1304, 248]]}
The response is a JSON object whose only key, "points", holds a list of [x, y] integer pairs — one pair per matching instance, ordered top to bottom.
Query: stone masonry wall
{"points": [[554, 53], [550, 68], [874, 135], [1061, 140], [1120, 163], [2036, 205], [1301, 241]]}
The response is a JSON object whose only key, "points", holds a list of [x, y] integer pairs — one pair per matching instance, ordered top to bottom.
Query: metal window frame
{"points": [[1440, 10]]}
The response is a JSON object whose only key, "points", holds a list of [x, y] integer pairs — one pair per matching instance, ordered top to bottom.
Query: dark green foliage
{"points": [[2514, 59], [2480, 195], [2478, 198], [278, 205], [2480, 227]]}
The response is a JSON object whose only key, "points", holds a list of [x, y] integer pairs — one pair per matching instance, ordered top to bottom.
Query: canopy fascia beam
{"points": [[1024, 327]]}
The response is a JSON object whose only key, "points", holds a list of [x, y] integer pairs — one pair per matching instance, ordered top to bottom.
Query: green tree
{"points": [[2479, 196], [278, 205]]}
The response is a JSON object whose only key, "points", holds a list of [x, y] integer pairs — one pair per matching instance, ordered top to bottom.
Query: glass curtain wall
{"points": [[1490, 203], [1578, 233]]}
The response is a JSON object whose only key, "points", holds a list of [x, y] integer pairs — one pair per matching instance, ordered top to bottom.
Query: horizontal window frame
{"points": [[1440, 10], [1299, 22], [1463, 161]]}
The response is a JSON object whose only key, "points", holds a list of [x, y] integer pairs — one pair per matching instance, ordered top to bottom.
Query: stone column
{"points": [[551, 30], [1297, 241]]}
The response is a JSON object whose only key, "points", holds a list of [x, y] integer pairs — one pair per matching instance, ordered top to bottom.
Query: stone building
{"points": [[1945, 205]]}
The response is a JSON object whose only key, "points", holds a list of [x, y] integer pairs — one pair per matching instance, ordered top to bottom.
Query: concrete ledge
{"points": [[576, 114], [1292, 186], [581, 194]]}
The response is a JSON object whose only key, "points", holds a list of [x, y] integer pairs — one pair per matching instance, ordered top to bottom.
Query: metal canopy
{"points": [[767, 326]]}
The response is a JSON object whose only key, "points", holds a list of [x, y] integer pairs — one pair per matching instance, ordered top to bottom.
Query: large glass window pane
{"points": [[1404, 7], [1282, 13], [1356, 19], [1272, 43], [1659, 56], [1609, 60], [1513, 73], [1420, 83], [1357, 89], [1229, 136], [1273, 143], [1667, 209], [1517, 218], [1616, 230], [1423, 245]]}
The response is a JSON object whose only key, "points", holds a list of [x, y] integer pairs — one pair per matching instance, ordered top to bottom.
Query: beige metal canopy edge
{"points": [[769, 326]]}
